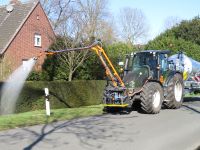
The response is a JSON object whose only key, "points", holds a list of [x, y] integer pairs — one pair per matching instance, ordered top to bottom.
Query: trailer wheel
{"points": [[151, 98], [174, 98]]}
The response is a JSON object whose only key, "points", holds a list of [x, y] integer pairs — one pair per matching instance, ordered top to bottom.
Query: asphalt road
{"points": [[168, 130]]}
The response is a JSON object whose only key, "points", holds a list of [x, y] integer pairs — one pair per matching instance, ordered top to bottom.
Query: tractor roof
{"points": [[155, 51]]}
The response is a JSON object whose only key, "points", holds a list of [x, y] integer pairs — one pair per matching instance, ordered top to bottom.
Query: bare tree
{"points": [[58, 11], [92, 13], [171, 21], [80, 24], [133, 25], [106, 32], [71, 61]]}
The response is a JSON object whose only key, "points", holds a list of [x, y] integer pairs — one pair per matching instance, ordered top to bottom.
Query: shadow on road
{"points": [[191, 99], [192, 104], [191, 108], [88, 131], [40, 136]]}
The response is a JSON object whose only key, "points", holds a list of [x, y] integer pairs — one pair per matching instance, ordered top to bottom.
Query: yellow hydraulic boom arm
{"points": [[110, 69]]}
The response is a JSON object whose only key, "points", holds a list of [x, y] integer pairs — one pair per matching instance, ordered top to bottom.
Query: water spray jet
{"points": [[13, 86]]}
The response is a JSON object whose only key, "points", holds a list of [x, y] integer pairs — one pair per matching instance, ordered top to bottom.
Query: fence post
{"points": [[48, 112]]}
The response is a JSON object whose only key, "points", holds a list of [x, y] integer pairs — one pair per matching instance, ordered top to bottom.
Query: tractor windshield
{"points": [[144, 59], [139, 69]]}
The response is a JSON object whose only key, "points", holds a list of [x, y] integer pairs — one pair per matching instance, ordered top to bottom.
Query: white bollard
{"points": [[48, 112]]}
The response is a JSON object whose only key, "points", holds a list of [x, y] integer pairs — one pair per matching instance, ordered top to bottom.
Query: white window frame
{"points": [[37, 40]]}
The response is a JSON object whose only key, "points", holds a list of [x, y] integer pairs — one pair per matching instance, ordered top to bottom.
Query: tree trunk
{"points": [[70, 76]]}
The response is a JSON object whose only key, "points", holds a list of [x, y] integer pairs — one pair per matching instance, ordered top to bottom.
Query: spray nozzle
{"points": [[35, 58]]}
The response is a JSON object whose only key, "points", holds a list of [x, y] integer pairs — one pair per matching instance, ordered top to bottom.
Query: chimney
{"points": [[15, 2]]}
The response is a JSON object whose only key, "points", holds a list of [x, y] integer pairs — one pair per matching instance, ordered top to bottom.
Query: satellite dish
{"points": [[9, 8]]}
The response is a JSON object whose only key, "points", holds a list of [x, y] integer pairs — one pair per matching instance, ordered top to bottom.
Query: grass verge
{"points": [[191, 95], [39, 117]]}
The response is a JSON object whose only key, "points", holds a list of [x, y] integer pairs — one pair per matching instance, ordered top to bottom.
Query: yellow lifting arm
{"points": [[110, 69], [112, 73]]}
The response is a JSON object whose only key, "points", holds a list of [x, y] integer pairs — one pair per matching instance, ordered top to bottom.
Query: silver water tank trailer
{"points": [[190, 66]]}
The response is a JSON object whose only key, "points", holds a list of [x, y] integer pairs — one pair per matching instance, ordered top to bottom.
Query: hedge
{"points": [[62, 94]]}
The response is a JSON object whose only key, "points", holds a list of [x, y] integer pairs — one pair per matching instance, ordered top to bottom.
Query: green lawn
{"points": [[191, 95], [39, 117]]}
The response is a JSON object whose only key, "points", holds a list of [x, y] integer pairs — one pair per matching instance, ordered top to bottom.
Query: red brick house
{"points": [[25, 31]]}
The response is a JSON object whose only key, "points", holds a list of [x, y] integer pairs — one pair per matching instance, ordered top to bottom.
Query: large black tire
{"points": [[175, 89], [151, 98]]}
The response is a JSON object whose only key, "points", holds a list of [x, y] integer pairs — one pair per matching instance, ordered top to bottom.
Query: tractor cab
{"points": [[140, 66]]}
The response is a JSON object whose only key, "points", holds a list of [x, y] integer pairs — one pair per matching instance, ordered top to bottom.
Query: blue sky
{"points": [[156, 11]]}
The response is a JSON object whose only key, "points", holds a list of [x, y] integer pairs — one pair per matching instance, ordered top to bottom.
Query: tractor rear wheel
{"points": [[151, 98], [174, 98]]}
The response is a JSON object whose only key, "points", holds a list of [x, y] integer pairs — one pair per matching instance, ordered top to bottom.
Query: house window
{"points": [[38, 17], [38, 40]]}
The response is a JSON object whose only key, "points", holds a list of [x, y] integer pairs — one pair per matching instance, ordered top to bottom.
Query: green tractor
{"points": [[149, 78]]}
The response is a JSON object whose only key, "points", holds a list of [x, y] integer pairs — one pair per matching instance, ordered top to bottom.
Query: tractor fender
{"points": [[171, 75], [157, 81]]}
